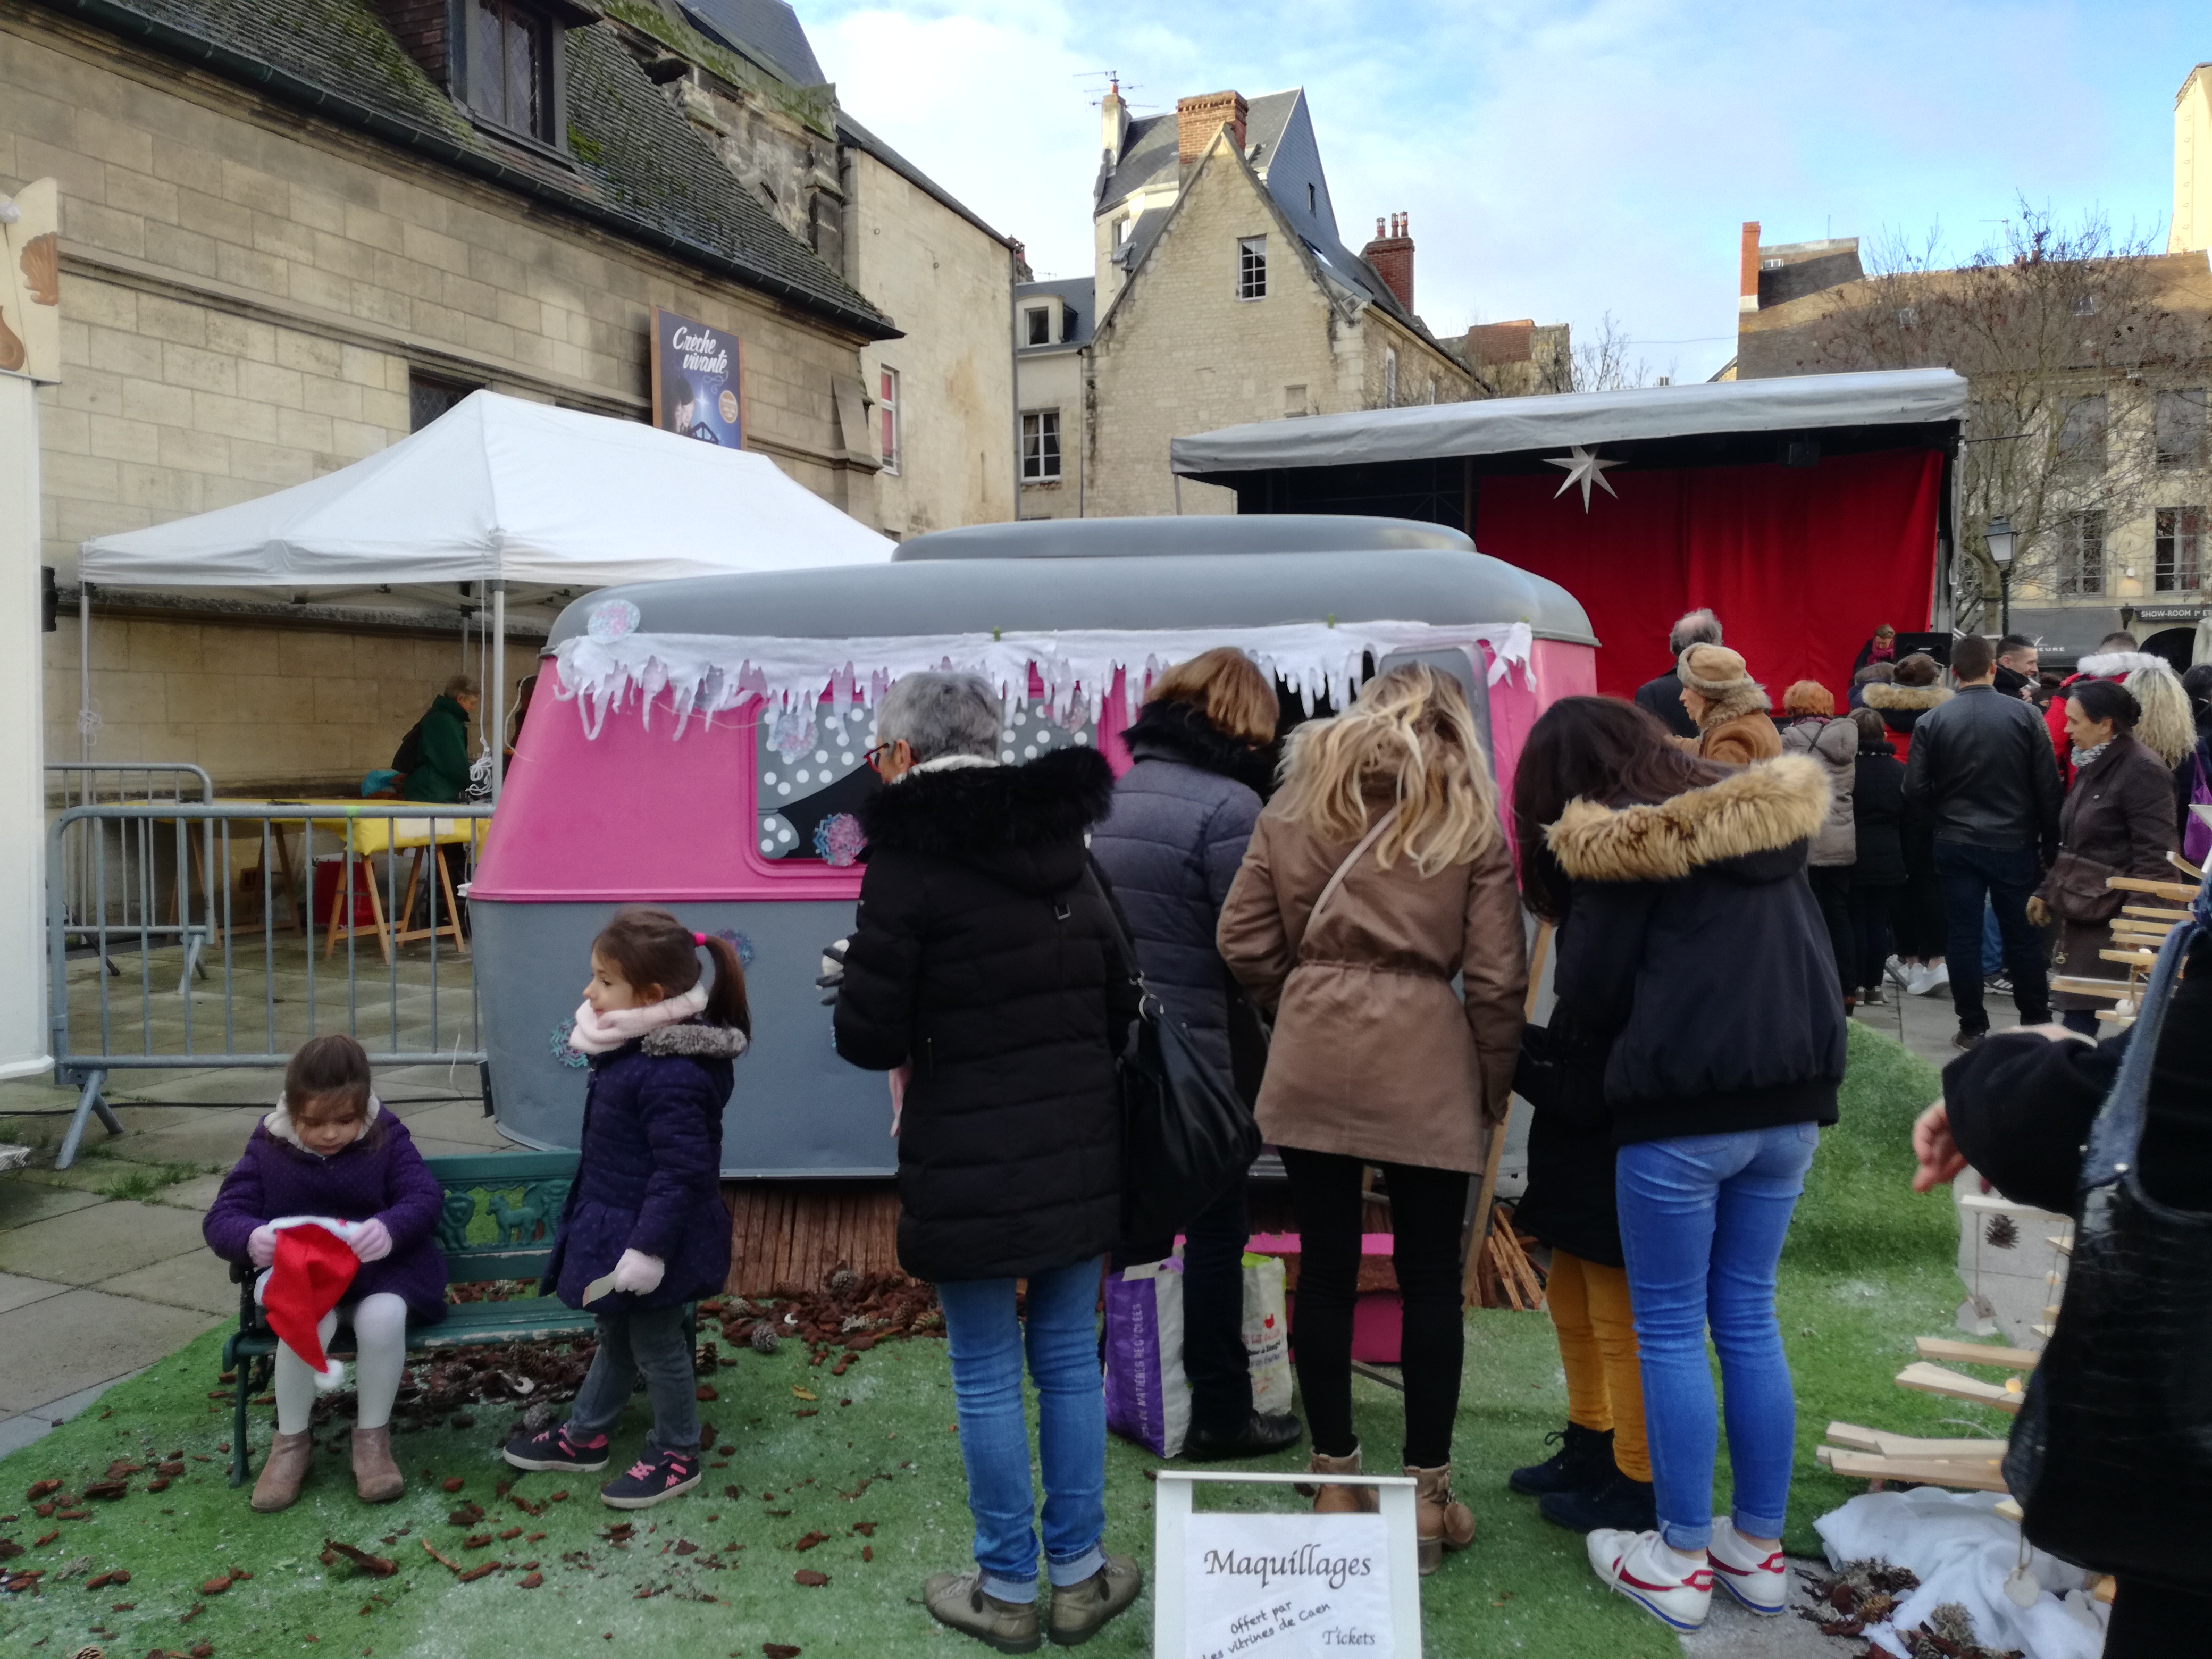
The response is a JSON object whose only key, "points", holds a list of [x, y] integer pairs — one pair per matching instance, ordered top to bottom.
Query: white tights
{"points": [[380, 1329]]}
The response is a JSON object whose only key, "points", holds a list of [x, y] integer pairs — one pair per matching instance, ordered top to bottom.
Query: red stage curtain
{"points": [[1800, 564]]}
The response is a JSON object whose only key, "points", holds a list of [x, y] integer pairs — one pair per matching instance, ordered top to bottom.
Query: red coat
{"points": [[2103, 666]]}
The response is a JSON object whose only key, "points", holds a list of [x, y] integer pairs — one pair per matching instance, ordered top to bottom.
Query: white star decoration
{"points": [[1585, 468]]}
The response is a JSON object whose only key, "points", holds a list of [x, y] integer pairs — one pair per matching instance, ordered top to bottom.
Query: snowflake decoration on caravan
{"points": [[838, 842]]}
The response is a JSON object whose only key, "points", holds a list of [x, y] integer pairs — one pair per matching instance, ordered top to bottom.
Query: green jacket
{"points": [[443, 771]]}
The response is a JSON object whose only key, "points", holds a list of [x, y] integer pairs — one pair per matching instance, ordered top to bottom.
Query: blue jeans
{"points": [[2002, 878], [1702, 1222], [985, 1339]]}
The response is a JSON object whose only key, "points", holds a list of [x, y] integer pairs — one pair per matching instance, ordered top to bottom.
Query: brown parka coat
{"points": [[1373, 1057]]}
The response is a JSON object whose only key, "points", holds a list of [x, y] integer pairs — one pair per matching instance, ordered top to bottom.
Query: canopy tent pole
{"points": [[83, 668], [498, 687]]}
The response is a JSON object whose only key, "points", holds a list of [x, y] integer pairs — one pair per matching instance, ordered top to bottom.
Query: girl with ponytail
{"points": [[644, 1231]]}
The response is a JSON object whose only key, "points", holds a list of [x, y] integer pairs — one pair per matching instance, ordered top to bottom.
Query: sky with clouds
{"points": [[1561, 158]]}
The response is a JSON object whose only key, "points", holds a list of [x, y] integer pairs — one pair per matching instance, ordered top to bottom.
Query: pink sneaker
{"points": [[1630, 1562], [1758, 1579]]}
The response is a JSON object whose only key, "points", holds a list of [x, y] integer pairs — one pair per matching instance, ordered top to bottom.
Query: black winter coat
{"points": [[1662, 698], [1981, 770], [1878, 804], [1181, 816], [1696, 945], [981, 957], [2020, 1106], [650, 1175], [1569, 1201]]}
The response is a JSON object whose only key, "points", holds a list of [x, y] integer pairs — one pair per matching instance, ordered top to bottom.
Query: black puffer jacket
{"points": [[1878, 807], [1181, 816], [1697, 946], [981, 957], [1569, 1202]]}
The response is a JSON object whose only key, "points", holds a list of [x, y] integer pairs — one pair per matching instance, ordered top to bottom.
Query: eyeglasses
{"points": [[874, 756]]}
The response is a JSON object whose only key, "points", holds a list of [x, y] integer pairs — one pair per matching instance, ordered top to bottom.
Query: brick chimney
{"points": [[1197, 119], [1391, 253], [1748, 290]]}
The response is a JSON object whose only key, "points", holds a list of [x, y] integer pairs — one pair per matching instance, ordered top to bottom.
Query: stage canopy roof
{"points": [[1502, 426]]}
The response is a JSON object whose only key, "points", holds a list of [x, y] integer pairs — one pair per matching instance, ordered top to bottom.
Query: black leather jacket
{"points": [[1982, 770]]}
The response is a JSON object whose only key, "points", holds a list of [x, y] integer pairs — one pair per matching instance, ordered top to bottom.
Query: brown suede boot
{"points": [[289, 1458], [375, 1476], [1343, 1500], [1441, 1521]]}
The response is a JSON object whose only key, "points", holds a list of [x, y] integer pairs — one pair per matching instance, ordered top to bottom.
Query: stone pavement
{"points": [[102, 1268]]}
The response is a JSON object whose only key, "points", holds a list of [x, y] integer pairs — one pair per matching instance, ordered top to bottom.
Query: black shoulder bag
{"points": [[1186, 1132], [2120, 1406]]}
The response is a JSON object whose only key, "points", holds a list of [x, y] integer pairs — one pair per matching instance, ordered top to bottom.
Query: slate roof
{"points": [[766, 29], [852, 133], [1149, 151], [635, 166], [1078, 295]]}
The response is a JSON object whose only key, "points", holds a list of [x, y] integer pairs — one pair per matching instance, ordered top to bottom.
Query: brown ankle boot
{"points": [[289, 1458], [375, 1476], [1343, 1500], [1441, 1521]]}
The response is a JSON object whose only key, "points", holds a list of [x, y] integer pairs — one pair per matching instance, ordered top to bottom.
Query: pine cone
{"points": [[763, 1339]]}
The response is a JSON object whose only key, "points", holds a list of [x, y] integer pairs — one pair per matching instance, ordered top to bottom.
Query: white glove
{"points": [[371, 1241], [261, 1245], [638, 1273]]}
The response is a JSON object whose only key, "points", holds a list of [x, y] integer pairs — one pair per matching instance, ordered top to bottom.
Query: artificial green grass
{"points": [[1867, 1268]]}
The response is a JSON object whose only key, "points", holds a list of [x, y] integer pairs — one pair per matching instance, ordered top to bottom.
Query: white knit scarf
{"points": [[598, 1034]]}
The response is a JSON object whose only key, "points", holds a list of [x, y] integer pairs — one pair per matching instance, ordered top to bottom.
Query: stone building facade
{"points": [[293, 234], [1224, 294]]}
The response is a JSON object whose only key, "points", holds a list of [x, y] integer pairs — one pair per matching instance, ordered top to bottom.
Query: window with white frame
{"points": [[1252, 268], [1037, 325], [1389, 379], [887, 415], [2178, 428], [2081, 435], [1040, 446], [2177, 550], [2082, 552]]}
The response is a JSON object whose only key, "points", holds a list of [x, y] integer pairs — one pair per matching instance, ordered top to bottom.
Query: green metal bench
{"points": [[502, 1212]]}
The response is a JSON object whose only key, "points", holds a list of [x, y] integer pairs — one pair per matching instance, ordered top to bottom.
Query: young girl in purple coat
{"points": [[329, 1148], [645, 1230]]}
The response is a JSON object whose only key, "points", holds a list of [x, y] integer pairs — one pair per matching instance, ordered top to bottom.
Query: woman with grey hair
{"points": [[983, 974]]}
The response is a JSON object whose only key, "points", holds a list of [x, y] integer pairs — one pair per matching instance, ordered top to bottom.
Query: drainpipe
{"points": [[1014, 362]]}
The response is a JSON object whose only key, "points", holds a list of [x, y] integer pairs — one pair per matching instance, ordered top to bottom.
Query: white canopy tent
{"points": [[499, 490]]}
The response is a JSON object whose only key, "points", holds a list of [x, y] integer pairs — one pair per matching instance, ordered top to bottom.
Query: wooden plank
{"points": [[2165, 890], [2154, 912], [2133, 959], [2075, 984], [1975, 1353], [1955, 1385], [1854, 1437], [1866, 1465]]}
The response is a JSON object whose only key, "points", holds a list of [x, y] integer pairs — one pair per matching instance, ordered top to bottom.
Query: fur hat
{"points": [[1713, 669]]}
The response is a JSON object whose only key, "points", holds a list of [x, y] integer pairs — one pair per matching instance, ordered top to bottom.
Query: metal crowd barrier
{"points": [[133, 861], [106, 895]]}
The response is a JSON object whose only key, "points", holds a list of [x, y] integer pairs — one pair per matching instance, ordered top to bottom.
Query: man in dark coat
{"points": [[1661, 695], [439, 768], [1984, 773], [1182, 815], [984, 974]]}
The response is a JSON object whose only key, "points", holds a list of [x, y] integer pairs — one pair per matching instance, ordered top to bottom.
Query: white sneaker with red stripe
{"points": [[1633, 1564], [1759, 1578]]}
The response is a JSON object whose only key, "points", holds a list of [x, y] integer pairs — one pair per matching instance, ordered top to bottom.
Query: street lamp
{"points": [[1999, 539]]}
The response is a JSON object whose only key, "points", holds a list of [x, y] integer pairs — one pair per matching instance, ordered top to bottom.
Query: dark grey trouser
{"points": [[647, 1341]]}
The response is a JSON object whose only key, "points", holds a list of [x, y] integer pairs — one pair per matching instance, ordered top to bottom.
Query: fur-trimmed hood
{"points": [[2111, 664], [1877, 694], [1730, 699], [1178, 731], [1756, 822], [1024, 825], [695, 1039], [278, 1122]]}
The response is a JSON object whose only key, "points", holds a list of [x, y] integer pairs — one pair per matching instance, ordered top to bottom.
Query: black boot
{"points": [[1258, 1435], [1583, 1459], [1618, 1505]]}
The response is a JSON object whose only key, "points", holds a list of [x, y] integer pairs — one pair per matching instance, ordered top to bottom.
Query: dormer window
{"points": [[511, 76], [1037, 325]]}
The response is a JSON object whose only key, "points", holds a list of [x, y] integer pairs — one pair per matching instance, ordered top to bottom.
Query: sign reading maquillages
{"points": [[1240, 1585], [1280, 1585]]}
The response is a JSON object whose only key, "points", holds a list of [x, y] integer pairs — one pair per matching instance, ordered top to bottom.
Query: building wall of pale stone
{"points": [[950, 287], [244, 293], [1182, 354], [1054, 381]]}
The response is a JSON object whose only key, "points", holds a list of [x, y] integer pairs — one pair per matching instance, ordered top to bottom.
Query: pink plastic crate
{"points": [[1378, 1317]]}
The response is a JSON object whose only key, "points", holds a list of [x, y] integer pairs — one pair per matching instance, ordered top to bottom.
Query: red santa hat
{"points": [[313, 1267]]}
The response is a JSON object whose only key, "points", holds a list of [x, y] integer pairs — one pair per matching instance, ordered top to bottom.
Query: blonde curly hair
{"points": [[1412, 730]]}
